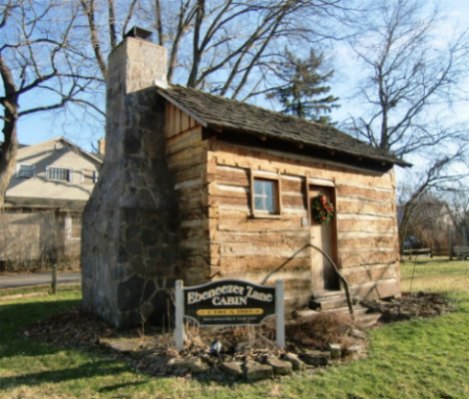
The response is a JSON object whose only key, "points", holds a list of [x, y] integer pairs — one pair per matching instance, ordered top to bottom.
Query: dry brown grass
{"points": [[437, 274], [436, 283], [320, 331], [44, 391]]}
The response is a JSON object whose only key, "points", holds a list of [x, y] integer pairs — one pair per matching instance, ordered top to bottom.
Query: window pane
{"points": [[26, 170], [58, 174], [258, 187], [269, 188], [265, 195], [258, 203], [269, 203]]}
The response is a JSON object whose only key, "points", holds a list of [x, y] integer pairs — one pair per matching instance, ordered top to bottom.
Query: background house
{"points": [[201, 187], [41, 219], [430, 223]]}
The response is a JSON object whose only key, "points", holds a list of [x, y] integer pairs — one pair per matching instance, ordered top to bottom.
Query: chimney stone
{"points": [[137, 63], [102, 147], [130, 235]]}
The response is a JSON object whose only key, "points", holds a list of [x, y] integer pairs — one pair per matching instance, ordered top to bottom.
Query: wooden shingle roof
{"points": [[234, 117]]}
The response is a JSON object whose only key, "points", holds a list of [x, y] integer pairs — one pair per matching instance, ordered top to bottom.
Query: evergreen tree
{"points": [[304, 93]]}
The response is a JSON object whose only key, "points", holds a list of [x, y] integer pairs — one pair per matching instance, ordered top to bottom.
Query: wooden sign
{"points": [[229, 303]]}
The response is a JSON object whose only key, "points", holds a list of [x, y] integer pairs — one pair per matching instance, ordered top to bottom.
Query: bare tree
{"points": [[223, 46], [56, 51], [36, 62], [411, 72], [435, 182], [459, 201]]}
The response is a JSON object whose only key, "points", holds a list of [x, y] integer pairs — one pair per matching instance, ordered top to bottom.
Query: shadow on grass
{"points": [[418, 262], [14, 318], [16, 350], [87, 370], [115, 387]]}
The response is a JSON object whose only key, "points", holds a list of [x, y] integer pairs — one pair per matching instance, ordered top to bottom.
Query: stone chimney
{"points": [[133, 66], [130, 224]]}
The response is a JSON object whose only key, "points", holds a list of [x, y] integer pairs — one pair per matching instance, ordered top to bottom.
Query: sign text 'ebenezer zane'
{"points": [[229, 303]]}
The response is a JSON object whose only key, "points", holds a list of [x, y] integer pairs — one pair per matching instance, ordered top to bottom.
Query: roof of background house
{"points": [[220, 113], [19, 146], [92, 155]]}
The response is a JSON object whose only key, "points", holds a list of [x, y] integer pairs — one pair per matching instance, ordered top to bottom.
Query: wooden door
{"points": [[323, 236]]}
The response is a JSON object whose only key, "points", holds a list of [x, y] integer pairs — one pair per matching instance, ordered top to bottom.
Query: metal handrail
{"points": [[336, 269]]}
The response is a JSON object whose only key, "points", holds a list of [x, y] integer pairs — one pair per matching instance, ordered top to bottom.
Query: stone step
{"points": [[328, 293], [330, 299], [336, 301], [333, 303]]}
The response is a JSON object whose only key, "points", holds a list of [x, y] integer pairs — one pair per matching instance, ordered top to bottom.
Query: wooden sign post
{"points": [[229, 303]]}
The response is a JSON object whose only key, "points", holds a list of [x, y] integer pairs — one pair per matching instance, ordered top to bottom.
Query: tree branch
{"points": [[88, 7]]}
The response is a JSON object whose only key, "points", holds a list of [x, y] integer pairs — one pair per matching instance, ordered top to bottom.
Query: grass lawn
{"points": [[417, 359]]}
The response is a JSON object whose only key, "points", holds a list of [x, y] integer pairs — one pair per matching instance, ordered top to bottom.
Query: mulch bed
{"points": [[409, 306]]}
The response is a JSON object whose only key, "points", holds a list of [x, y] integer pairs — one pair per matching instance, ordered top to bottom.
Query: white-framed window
{"points": [[25, 170], [58, 174], [90, 176], [265, 196]]}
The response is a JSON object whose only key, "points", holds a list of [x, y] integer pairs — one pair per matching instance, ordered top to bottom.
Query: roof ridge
{"points": [[246, 104], [219, 111], [281, 115], [70, 144]]}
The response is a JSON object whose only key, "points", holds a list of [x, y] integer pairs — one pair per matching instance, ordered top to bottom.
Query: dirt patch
{"points": [[410, 305], [70, 329]]}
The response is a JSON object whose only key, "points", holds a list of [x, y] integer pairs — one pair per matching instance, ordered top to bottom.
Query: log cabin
{"points": [[200, 187]]}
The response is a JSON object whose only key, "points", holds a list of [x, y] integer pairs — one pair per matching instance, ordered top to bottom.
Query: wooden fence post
{"points": [[53, 285], [280, 313], [179, 317]]}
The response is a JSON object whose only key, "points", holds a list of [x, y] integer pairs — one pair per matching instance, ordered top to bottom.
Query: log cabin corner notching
{"points": [[200, 187]]}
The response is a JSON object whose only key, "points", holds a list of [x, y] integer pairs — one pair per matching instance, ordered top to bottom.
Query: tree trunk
{"points": [[9, 149]]}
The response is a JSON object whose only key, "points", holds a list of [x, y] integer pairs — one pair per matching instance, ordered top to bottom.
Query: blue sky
{"points": [[456, 18], [40, 127]]}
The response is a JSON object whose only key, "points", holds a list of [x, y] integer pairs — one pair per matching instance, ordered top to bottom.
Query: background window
{"points": [[25, 170], [58, 174], [90, 176], [266, 195]]}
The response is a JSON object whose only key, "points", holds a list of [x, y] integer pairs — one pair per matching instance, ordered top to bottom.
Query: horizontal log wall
{"points": [[187, 159], [271, 248]]}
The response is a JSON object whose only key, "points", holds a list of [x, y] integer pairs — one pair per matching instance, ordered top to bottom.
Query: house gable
{"points": [[55, 173]]}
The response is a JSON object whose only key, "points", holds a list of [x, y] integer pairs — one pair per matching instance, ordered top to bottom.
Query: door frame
{"points": [[329, 186]]}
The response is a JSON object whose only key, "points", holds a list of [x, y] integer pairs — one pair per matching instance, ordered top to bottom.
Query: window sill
{"points": [[58, 181], [265, 216]]}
